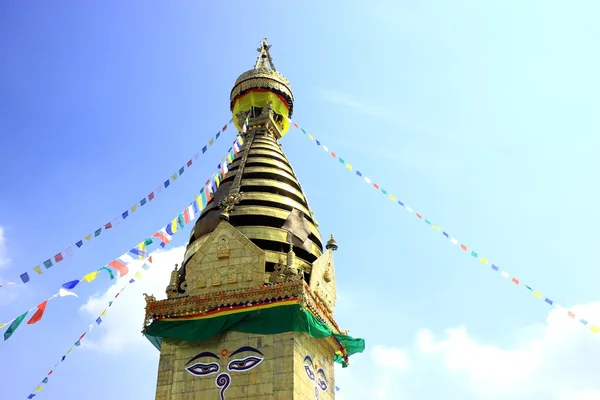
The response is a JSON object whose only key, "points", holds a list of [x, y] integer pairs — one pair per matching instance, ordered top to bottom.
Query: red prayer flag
{"points": [[296, 125], [224, 128], [333, 155], [189, 163], [376, 186], [151, 196], [418, 215], [186, 216], [108, 226], [462, 246], [58, 257], [150, 259], [119, 266], [515, 280], [117, 295], [38, 314], [570, 314], [81, 337], [50, 373]]}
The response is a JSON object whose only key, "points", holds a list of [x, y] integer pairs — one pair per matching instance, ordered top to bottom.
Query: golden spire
{"points": [[264, 56], [331, 244]]}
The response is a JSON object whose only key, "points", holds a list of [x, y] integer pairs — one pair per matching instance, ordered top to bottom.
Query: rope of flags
{"points": [[164, 235], [461, 246], [121, 264], [39, 269]]}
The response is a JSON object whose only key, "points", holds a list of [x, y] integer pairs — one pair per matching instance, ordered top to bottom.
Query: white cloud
{"points": [[4, 260], [122, 325], [558, 360], [563, 360]]}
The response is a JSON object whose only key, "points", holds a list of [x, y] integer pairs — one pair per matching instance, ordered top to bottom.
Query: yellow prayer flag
{"points": [[310, 136], [211, 142], [349, 167], [174, 177], [392, 198], [134, 208], [174, 225], [437, 228], [88, 237], [484, 260], [38, 269], [138, 275], [91, 276], [537, 294], [103, 313], [2, 325], [595, 329], [68, 351], [37, 389]]}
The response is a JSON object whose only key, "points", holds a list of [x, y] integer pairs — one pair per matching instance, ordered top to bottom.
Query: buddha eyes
{"points": [[244, 364], [200, 369], [309, 372], [322, 384]]}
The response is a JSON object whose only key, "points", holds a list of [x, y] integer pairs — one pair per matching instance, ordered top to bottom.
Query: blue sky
{"points": [[481, 116]]}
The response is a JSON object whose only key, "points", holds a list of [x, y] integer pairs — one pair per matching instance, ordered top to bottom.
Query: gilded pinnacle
{"points": [[331, 244]]}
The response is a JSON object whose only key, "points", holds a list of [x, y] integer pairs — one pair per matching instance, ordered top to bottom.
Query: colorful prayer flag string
{"points": [[192, 211], [461, 246], [121, 264], [25, 277]]}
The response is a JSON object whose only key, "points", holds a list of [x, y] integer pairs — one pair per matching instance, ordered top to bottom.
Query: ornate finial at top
{"points": [[264, 56], [331, 244], [172, 289]]}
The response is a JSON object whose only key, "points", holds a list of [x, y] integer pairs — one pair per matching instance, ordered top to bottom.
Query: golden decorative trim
{"points": [[193, 305]]}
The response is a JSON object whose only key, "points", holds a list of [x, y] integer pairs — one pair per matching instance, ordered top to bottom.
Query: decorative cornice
{"points": [[194, 305]]}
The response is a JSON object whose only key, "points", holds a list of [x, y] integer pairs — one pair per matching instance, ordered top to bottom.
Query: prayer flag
{"points": [[224, 128], [240, 140], [211, 142], [204, 149], [189, 163], [181, 170], [174, 177], [167, 183], [151, 196], [142, 201], [196, 206], [133, 208], [125, 214], [180, 220], [174, 225], [108, 226], [97, 233], [164, 237], [148, 242], [79, 244], [462, 246], [58, 257], [48, 263], [119, 266], [146, 267], [495, 268], [38, 269], [109, 272], [138, 275], [91, 276], [25, 277], [515, 281], [70, 284], [104, 312], [38, 314], [99, 320], [14, 325], [594, 329], [78, 343], [40, 387]]}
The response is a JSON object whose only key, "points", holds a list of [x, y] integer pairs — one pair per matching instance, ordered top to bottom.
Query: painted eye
{"points": [[244, 364], [200, 369], [309, 372], [322, 384]]}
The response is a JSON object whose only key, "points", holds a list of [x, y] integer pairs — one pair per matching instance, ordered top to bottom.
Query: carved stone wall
{"points": [[227, 260], [322, 280], [289, 366]]}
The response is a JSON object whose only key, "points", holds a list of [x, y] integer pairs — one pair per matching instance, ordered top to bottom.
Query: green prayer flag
{"points": [[341, 160], [384, 191], [427, 222], [147, 242], [474, 254], [109, 272], [529, 287], [110, 303], [15, 324], [78, 343], [45, 380]]}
